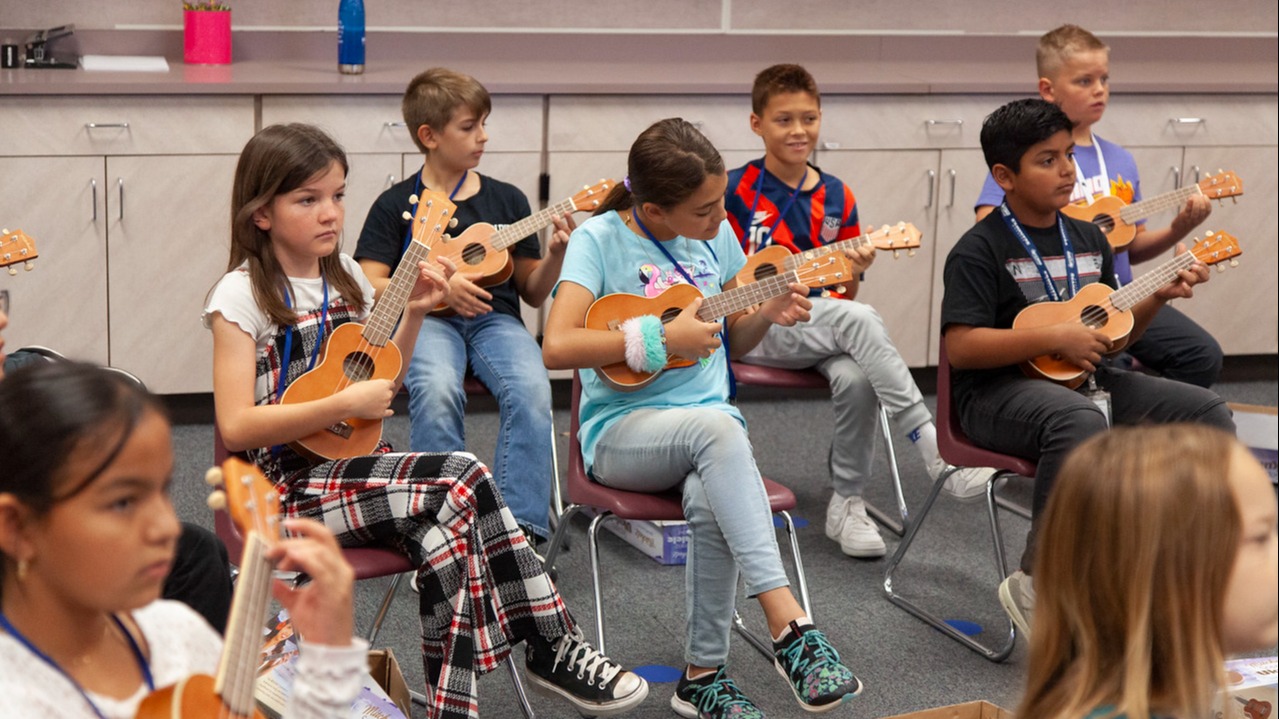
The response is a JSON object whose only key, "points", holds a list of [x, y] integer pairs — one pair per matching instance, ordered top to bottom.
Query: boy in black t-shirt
{"points": [[445, 112], [1026, 252]]}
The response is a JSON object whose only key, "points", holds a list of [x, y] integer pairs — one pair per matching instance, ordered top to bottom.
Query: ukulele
{"points": [[1118, 219], [17, 247], [482, 248], [774, 259], [610, 311], [1110, 311], [357, 352], [255, 507]]}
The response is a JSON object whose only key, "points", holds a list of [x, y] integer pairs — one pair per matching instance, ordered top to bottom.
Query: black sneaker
{"points": [[531, 537], [811, 665], [574, 670], [713, 696]]}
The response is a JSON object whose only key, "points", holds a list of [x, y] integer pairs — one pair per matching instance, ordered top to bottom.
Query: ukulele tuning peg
{"points": [[413, 199], [407, 215], [452, 223], [4, 231], [910, 252], [896, 253], [1234, 262], [29, 265], [12, 270], [841, 289], [825, 293], [213, 477], [216, 501]]}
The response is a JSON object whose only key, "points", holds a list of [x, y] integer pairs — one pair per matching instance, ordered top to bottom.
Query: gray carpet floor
{"points": [[905, 665]]}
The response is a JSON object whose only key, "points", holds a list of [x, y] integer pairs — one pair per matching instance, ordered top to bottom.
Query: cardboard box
{"points": [[1258, 428], [665, 542], [385, 670], [1251, 690], [968, 710]]}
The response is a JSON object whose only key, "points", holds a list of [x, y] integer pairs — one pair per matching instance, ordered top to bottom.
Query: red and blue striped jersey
{"points": [[827, 213]]}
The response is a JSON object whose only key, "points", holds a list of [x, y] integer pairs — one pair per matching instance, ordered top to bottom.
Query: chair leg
{"points": [[1018, 509], [895, 525], [560, 537], [593, 537], [801, 582], [375, 626], [992, 653], [518, 684]]}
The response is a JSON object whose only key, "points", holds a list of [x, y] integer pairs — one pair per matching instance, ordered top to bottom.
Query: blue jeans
{"points": [[506, 359], [730, 525]]}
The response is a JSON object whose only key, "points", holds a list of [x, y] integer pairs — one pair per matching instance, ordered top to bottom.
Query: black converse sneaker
{"points": [[572, 669]]}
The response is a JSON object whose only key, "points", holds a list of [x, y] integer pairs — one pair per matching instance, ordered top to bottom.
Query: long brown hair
{"points": [[277, 160], [666, 165], [1135, 551]]}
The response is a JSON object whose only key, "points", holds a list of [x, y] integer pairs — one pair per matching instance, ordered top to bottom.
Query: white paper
{"points": [[124, 63]]}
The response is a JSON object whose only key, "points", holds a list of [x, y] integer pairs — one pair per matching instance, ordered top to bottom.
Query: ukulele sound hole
{"points": [[1105, 222], [473, 254], [765, 271], [669, 314], [1094, 317], [357, 366]]}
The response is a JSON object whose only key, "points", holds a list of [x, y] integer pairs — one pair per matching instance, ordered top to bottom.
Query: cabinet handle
{"points": [[1187, 120], [397, 123], [935, 123], [102, 125], [830, 145], [952, 174], [932, 177], [1176, 177], [390, 180], [120, 184], [93, 185]]}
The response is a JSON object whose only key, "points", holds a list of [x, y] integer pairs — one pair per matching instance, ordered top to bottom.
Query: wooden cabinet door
{"points": [[168, 243], [62, 303]]}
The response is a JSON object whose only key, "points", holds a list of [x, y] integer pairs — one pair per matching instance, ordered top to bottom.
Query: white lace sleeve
{"points": [[328, 680]]}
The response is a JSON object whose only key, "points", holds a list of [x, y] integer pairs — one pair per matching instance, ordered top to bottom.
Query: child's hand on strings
{"points": [[690, 337]]}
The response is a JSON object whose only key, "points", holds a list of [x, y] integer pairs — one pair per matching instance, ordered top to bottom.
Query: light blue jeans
{"points": [[848, 343], [506, 358], [730, 525]]}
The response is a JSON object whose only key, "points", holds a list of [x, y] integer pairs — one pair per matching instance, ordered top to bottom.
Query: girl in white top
{"points": [[88, 534]]}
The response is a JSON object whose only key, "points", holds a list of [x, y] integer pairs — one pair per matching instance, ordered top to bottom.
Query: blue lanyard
{"points": [[417, 190], [759, 190], [1072, 270], [723, 334], [288, 340], [133, 645]]}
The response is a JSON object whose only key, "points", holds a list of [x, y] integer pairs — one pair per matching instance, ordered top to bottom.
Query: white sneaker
{"points": [[968, 483], [848, 524], [1017, 595]]}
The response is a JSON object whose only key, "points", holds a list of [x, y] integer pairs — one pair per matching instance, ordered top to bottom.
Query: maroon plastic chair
{"points": [[760, 376], [959, 451], [609, 504], [368, 563]]}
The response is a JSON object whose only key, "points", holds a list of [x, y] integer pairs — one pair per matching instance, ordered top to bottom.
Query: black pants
{"points": [[201, 575]]}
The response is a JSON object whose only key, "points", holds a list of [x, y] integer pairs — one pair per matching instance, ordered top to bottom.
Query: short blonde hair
{"points": [[1056, 46], [434, 95], [1135, 551]]}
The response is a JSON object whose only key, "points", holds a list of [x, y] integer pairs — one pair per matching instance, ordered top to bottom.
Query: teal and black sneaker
{"points": [[818, 679], [712, 696]]}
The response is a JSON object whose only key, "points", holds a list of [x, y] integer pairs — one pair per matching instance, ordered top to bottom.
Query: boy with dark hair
{"points": [[1074, 74], [445, 112], [782, 200], [1027, 252]]}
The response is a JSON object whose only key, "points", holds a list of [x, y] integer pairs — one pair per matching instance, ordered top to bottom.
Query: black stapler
{"points": [[38, 56]]}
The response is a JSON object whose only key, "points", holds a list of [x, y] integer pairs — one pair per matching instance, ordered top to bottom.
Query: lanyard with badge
{"points": [[1081, 182], [759, 190], [723, 335], [1097, 395]]}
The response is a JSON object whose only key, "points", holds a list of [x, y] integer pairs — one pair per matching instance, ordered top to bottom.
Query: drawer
{"points": [[1236, 120], [612, 122], [881, 122], [374, 123], [126, 125]]}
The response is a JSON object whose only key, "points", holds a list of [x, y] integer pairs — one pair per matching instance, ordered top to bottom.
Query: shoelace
{"points": [[819, 652], [585, 660], [720, 693]]}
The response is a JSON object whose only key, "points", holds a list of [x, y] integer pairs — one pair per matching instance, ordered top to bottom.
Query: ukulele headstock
{"points": [[1221, 185], [590, 197], [432, 215], [896, 238], [15, 247], [1217, 247], [246, 494]]}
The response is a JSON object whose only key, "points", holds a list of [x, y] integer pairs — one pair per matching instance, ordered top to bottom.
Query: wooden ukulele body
{"points": [[1104, 213], [472, 252], [764, 263], [1088, 307], [610, 311], [347, 358], [191, 698]]}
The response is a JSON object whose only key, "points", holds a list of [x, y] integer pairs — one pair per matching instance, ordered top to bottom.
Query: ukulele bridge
{"points": [[341, 429]]}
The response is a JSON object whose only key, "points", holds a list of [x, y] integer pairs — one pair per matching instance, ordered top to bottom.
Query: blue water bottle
{"points": [[351, 37]]}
